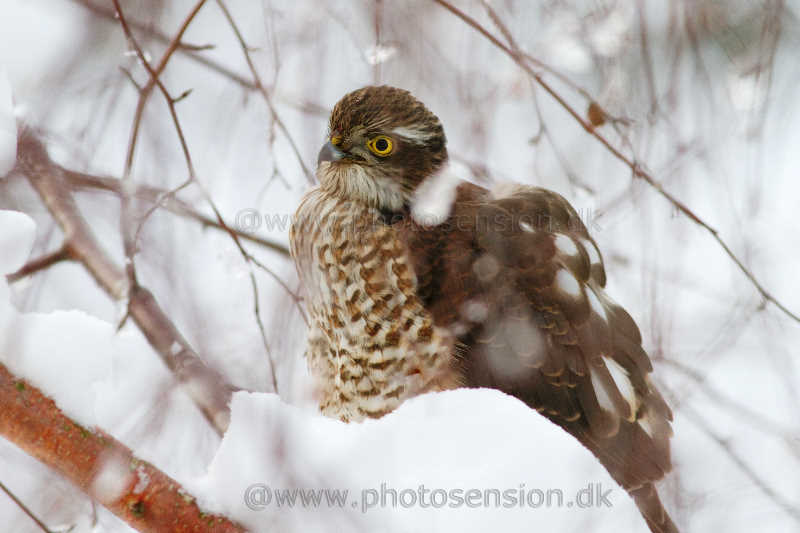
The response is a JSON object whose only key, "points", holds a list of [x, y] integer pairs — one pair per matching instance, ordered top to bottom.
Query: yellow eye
{"points": [[336, 140], [380, 145]]}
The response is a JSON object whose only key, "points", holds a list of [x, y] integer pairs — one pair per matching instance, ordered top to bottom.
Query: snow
{"points": [[8, 126], [724, 144], [16, 239], [97, 376], [437, 443], [441, 443], [112, 481]]}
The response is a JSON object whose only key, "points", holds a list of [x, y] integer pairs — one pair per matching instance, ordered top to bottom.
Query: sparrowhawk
{"points": [[506, 290]]}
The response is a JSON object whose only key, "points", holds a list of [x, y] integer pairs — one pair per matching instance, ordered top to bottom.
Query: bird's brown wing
{"points": [[521, 283]]}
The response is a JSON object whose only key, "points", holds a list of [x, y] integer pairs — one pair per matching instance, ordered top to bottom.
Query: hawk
{"points": [[506, 290]]}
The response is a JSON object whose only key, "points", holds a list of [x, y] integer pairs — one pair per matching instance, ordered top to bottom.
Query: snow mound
{"points": [[16, 238], [98, 376], [463, 460]]}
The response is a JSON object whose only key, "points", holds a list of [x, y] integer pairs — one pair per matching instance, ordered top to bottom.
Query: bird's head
{"points": [[382, 144]]}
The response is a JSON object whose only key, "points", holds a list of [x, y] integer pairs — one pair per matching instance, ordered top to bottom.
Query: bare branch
{"points": [[187, 50], [190, 51], [647, 58], [263, 90], [635, 167], [170, 203], [128, 236], [130, 249], [40, 263], [212, 393], [739, 409], [34, 423], [726, 447], [24, 508]]}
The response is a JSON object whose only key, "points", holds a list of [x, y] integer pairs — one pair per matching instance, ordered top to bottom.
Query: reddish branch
{"points": [[636, 168], [208, 389], [34, 423]]}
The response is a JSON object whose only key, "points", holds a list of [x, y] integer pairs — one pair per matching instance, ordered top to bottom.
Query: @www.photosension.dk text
{"points": [[260, 496]]}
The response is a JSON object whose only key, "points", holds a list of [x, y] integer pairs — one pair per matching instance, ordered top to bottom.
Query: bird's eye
{"points": [[336, 140], [380, 145]]}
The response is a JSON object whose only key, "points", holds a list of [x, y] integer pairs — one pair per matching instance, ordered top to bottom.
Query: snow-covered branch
{"points": [[99, 465]]}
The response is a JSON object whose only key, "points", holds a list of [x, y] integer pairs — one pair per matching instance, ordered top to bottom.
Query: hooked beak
{"points": [[329, 153]]}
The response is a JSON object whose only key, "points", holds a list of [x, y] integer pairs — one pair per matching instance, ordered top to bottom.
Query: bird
{"points": [[498, 287]]}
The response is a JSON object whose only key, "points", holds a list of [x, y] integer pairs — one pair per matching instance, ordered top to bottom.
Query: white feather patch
{"points": [[414, 135], [506, 189], [433, 200], [565, 245], [592, 251], [486, 268], [567, 283], [596, 306], [624, 385], [600, 391], [646, 425]]}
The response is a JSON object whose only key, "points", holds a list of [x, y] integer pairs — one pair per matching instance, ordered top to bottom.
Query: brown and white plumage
{"points": [[506, 292]]}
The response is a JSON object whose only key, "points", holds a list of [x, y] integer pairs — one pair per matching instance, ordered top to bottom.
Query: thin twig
{"points": [[377, 16], [190, 51], [647, 58], [263, 90], [544, 131], [635, 167], [192, 178], [174, 205], [128, 236], [40, 263], [297, 299], [262, 331], [210, 393], [732, 405], [726, 447], [24, 508]]}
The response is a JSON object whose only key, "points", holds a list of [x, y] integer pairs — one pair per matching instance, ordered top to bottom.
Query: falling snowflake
{"points": [[380, 54]]}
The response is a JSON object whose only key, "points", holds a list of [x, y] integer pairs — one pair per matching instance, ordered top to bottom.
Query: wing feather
{"points": [[547, 332]]}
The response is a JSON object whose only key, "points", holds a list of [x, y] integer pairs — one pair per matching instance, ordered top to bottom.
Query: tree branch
{"points": [[263, 90], [635, 167], [170, 203], [130, 243], [40, 263], [209, 390], [725, 445], [148, 499], [24, 508]]}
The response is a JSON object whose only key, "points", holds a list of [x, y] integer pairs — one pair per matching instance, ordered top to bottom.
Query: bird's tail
{"points": [[649, 504]]}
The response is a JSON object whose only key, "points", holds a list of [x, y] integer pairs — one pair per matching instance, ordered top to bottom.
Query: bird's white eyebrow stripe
{"points": [[415, 135]]}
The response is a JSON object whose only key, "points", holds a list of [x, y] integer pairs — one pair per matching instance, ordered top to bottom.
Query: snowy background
{"points": [[706, 97]]}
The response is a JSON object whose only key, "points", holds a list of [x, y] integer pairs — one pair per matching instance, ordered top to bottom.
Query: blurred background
{"points": [[702, 94]]}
